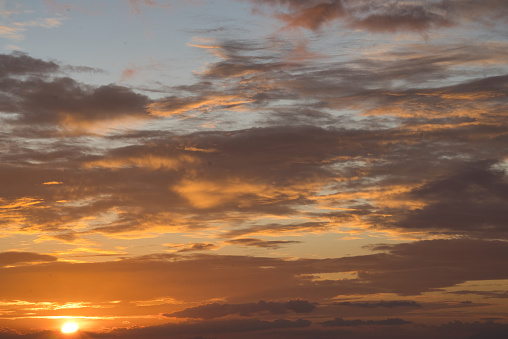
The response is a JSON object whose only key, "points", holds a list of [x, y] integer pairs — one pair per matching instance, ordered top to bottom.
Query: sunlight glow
{"points": [[70, 327]]}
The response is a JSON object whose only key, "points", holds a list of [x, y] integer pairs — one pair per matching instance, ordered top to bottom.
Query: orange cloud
{"points": [[178, 106], [148, 161]]}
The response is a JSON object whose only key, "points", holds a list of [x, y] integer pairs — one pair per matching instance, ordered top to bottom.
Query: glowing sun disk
{"points": [[69, 327]]}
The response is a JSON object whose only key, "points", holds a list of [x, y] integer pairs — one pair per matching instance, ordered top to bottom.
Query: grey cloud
{"points": [[388, 16], [402, 18], [18, 63], [81, 69], [64, 100], [61, 102], [424, 139], [145, 181], [473, 199], [280, 228], [260, 242], [198, 247], [13, 257], [433, 263], [404, 269], [485, 294], [374, 304], [215, 310], [359, 322], [206, 328], [281, 329], [198, 330]]}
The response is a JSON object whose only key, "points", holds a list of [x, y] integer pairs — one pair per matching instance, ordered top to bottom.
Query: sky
{"points": [[215, 169]]}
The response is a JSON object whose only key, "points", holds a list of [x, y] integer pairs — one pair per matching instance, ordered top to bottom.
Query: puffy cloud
{"points": [[19, 63], [43, 99], [64, 102]]}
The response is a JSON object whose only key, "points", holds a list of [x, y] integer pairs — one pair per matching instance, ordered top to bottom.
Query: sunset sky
{"points": [[219, 169]]}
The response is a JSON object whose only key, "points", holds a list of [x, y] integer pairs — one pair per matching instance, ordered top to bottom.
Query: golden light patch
{"points": [[52, 183], [208, 194], [70, 327]]}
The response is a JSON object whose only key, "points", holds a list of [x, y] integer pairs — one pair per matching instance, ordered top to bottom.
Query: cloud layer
{"points": [[326, 169]]}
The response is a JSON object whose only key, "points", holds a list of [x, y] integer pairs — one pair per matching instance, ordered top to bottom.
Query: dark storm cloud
{"points": [[388, 16], [261, 243], [12, 258], [216, 310]]}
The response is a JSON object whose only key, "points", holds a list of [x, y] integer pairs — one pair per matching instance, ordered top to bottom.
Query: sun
{"points": [[69, 327]]}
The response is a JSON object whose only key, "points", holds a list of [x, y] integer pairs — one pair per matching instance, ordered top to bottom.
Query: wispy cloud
{"points": [[386, 17]]}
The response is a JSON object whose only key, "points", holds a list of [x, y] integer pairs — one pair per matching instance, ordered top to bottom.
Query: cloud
{"points": [[137, 5], [386, 17], [13, 30], [18, 63], [42, 99], [66, 103], [174, 105], [285, 170], [385, 178], [161, 179], [52, 183], [472, 199], [281, 228], [261, 243], [195, 247], [473, 252], [13, 258], [404, 269], [485, 294], [389, 304], [215, 310], [359, 322], [206, 328], [255, 328]]}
